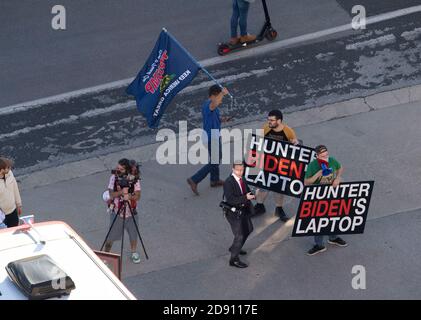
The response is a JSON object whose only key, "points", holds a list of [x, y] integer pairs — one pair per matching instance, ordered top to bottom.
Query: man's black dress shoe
{"points": [[279, 211], [242, 252], [238, 264]]}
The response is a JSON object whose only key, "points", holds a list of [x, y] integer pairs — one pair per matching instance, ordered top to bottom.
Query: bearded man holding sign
{"points": [[279, 131]]}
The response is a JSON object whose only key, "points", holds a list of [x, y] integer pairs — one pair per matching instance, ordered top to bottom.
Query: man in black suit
{"points": [[237, 194]]}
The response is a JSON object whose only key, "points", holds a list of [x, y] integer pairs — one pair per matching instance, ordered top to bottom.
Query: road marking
{"points": [[411, 35], [310, 36], [383, 40], [213, 61], [207, 84], [24, 106], [124, 106], [73, 118]]}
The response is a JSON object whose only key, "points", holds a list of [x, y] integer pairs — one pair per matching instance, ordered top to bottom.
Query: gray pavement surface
{"points": [[375, 6], [109, 40], [383, 57], [357, 92], [187, 237], [282, 271]]}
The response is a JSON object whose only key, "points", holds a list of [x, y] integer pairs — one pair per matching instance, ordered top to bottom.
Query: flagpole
{"points": [[198, 64]]}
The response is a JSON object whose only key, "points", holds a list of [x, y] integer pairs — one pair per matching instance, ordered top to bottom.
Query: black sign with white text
{"points": [[277, 166], [326, 210]]}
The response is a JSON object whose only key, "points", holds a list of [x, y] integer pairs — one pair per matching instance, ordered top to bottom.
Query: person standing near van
{"points": [[10, 200]]}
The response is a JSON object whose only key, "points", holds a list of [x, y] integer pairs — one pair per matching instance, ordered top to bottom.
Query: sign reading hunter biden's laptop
{"points": [[277, 166], [326, 210]]}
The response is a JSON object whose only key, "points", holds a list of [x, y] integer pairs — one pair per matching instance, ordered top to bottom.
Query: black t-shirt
{"points": [[278, 136]]}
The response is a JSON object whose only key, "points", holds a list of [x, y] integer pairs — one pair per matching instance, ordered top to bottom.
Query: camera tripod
{"points": [[124, 205]]}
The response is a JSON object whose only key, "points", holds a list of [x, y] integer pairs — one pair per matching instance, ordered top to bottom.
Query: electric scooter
{"points": [[267, 32]]}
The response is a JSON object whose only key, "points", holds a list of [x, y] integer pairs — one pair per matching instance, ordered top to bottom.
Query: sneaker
{"points": [[247, 38], [259, 209], [279, 211], [338, 241], [315, 250], [135, 257]]}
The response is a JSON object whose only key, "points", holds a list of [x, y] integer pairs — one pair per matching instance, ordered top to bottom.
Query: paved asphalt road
{"points": [[109, 40], [383, 57]]}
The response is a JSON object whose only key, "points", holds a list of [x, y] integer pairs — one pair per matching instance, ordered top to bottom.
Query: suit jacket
{"points": [[234, 195]]}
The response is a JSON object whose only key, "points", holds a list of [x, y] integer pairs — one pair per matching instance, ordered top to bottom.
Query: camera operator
{"points": [[124, 184]]}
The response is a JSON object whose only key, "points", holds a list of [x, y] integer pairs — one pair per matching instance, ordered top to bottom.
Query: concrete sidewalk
{"points": [[187, 237], [389, 251]]}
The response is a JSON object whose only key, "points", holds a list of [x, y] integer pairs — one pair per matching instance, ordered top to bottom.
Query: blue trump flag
{"points": [[168, 70]]}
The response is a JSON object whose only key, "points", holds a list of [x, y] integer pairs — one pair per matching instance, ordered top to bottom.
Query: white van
{"points": [[92, 279]]}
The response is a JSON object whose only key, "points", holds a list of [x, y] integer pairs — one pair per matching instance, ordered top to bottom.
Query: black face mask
{"points": [[119, 173]]}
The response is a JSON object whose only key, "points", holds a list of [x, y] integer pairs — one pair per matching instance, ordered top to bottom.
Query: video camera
{"points": [[128, 180]]}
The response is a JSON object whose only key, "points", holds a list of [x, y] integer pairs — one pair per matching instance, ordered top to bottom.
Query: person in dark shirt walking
{"points": [[212, 138]]}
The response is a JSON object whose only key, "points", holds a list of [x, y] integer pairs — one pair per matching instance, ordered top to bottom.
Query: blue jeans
{"points": [[240, 9], [212, 167], [319, 240]]}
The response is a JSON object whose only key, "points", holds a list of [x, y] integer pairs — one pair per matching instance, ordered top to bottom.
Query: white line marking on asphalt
{"points": [[411, 35], [310, 36], [383, 40], [213, 61], [207, 84], [62, 97], [126, 105], [70, 119]]}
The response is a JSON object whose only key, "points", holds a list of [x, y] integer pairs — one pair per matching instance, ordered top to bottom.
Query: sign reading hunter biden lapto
{"points": [[277, 166], [326, 210]]}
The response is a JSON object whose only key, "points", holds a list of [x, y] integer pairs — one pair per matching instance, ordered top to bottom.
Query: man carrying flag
{"points": [[168, 70], [212, 139]]}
